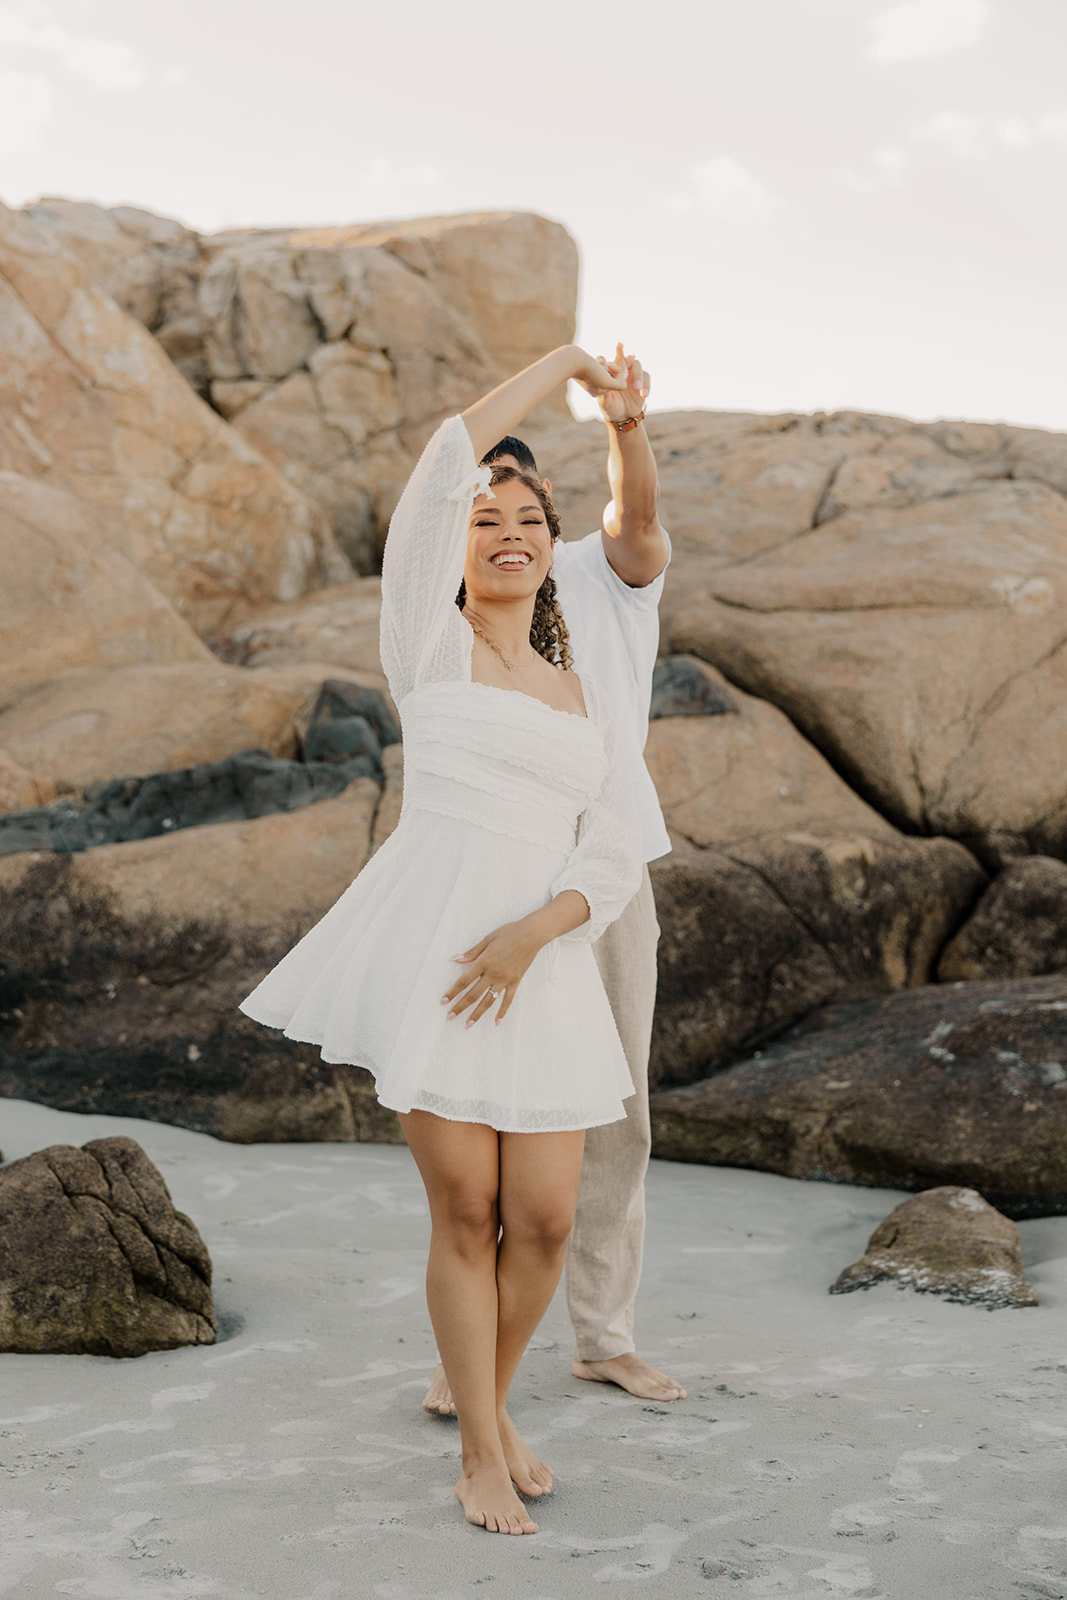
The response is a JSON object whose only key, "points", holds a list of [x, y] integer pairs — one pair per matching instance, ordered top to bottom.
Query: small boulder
{"points": [[1018, 928], [949, 1242], [95, 1260]]}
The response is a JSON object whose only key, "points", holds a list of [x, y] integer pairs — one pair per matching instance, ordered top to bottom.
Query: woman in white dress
{"points": [[517, 845]]}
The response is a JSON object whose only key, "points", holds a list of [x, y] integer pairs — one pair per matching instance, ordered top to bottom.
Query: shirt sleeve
{"points": [[584, 564], [423, 636], [605, 865]]}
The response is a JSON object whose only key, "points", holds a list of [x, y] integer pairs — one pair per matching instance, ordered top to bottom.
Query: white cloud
{"points": [[917, 30], [105, 63], [25, 109], [958, 131], [970, 137], [726, 191]]}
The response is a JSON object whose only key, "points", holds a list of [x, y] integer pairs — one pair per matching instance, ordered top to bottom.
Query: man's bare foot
{"points": [[631, 1374], [438, 1397], [529, 1474], [490, 1502]]}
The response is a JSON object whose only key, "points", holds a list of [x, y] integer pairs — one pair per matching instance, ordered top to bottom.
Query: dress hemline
{"points": [[498, 1126]]}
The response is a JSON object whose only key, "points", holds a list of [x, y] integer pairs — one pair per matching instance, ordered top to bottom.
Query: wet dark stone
{"points": [[681, 688]]}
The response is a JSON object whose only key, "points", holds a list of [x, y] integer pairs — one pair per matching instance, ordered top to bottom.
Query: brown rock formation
{"points": [[149, 265], [336, 351], [89, 402], [897, 589], [69, 599], [338, 625], [132, 721], [796, 893], [1017, 930], [123, 968], [949, 1084], [948, 1242], [94, 1259]]}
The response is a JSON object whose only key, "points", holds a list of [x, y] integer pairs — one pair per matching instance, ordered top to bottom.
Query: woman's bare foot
{"points": [[631, 1374], [438, 1397], [530, 1475], [489, 1501]]}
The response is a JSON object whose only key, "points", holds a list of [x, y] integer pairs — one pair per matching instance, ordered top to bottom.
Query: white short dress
{"points": [[507, 802]]}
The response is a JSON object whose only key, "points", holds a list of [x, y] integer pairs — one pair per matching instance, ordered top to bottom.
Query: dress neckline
{"points": [[493, 688]]}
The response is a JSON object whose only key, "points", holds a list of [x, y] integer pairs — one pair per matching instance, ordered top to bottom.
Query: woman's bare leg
{"points": [[460, 1167], [539, 1175]]}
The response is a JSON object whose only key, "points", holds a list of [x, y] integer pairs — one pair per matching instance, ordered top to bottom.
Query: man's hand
{"points": [[618, 404]]}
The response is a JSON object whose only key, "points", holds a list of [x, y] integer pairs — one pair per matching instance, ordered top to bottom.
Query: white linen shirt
{"points": [[614, 633]]}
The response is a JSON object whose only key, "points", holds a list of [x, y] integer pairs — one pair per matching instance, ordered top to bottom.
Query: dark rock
{"points": [[683, 687], [340, 717], [343, 741], [1019, 927], [758, 934], [121, 971], [963, 1084], [948, 1242], [94, 1259]]}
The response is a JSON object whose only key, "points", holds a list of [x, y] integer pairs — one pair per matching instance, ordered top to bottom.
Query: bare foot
{"points": [[631, 1374], [438, 1397], [530, 1475], [490, 1502]]}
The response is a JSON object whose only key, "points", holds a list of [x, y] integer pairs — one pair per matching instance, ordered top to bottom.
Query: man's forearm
{"points": [[634, 540]]}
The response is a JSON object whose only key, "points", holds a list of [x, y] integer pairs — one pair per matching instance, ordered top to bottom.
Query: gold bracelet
{"points": [[629, 422]]}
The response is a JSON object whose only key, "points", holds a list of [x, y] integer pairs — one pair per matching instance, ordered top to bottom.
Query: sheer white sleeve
{"points": [[424, 639], [606, 863]]}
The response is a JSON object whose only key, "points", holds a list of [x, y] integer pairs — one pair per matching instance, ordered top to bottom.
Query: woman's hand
{"points": [[601, 378], [618, 404], [499, 962]]}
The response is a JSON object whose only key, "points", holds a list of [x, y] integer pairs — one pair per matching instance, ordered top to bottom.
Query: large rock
{"points": [[149, 265], [336, 351], [89, 402], [896, 588], [69, 599], [338, 625], [921, 649], [128, 722], [784, 890], [124, 966], [960, 1084], [948, 1242], [94, 1259]]}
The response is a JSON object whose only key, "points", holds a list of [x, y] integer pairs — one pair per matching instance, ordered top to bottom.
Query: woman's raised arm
{"points": [[500, 412]]}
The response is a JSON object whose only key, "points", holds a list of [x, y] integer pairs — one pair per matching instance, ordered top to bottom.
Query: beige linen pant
{"points": [[604, 1259]]}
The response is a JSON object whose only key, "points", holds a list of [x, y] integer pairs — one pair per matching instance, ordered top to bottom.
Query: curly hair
{"points": [[548, 630]]}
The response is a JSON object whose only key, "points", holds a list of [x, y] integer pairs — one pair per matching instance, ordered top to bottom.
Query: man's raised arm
{"points": [[634, 541]]}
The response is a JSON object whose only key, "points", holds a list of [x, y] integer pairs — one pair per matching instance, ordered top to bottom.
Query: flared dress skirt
{"points": [[366, 983]]}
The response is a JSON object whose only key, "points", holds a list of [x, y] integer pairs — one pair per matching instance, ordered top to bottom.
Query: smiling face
{"points": [[509, 544]]}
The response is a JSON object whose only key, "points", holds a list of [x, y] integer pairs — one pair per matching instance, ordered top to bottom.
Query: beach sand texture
{"points": [[875, 1446]]}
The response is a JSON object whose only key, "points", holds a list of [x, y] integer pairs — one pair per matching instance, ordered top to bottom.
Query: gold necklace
{"points": [[495, 648]]}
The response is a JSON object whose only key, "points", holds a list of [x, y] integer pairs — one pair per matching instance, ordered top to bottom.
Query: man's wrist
{"points": [[627, 424]]}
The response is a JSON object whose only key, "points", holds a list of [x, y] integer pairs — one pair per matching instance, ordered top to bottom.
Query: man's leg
{"points": [[604, 1260]]}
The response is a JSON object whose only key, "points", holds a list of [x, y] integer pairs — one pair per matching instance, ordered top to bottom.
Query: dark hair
{"points": [[510, 446], [548, 631]]}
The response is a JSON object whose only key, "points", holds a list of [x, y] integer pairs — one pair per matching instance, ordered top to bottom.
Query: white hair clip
{"points": [[478, 482]]}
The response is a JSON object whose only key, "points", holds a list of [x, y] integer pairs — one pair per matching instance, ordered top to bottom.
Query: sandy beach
{"points": [[879, 1445]]}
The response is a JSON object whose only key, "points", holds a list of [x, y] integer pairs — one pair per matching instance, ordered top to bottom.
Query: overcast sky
{"points": [[781, 204]]}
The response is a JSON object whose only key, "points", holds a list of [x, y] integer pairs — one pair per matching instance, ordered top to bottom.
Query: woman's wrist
{"points": [[562, 915]]}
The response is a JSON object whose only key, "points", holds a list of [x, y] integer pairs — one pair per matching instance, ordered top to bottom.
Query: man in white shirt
{"points": [[609, 586]]}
